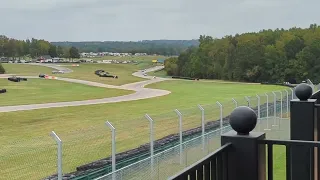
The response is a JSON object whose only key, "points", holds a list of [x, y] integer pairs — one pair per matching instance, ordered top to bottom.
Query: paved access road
{"points": [[140, 91]]}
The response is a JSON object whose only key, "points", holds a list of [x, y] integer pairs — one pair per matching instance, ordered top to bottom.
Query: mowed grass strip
{"points": [[26, 69], [123, 71], [36, 91], [90, 139]]}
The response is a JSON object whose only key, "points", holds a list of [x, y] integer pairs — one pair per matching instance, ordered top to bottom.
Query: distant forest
{"points": [[161, 47], [266, 56]]}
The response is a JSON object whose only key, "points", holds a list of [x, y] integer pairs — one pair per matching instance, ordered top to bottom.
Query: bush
{"points": [[2, 71]]}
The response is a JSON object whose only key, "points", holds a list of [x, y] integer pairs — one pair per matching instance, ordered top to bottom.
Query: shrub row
{"points": [[187, 78]]}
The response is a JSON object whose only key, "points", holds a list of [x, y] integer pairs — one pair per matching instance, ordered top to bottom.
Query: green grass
{"points": [[25, 69], [85, 71], [123, 71], [161, 73], [36, 91], [90, 139]]}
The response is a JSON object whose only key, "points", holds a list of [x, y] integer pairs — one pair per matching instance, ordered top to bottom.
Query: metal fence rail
{"points": [[159, 145]]}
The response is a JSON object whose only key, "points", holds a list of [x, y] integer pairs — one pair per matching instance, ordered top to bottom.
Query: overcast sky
{"points": [[123, 20]]}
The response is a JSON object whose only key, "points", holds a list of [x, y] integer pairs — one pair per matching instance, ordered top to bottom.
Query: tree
{"points": [[52, 51], [59, 51], [74, 52], [265, 56], [2, 71]]}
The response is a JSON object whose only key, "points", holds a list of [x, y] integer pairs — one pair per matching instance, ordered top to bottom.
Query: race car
{"points": [[42, 75]]}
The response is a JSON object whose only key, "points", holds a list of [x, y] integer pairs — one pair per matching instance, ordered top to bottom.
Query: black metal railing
{"points": [[290, 145], [211, 167]]}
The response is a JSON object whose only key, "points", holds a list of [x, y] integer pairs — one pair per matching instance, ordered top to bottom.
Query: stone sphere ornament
{"points": [[303, 91], [243, 120]]}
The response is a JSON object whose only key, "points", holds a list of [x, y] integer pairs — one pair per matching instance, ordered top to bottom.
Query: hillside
{"points": [[162, 47]]}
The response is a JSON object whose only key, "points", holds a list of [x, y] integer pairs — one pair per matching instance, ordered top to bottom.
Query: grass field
{"points": [[25, 69], [85, 71], [123, 71], [161, 73], [36, 91], [85, 136]]}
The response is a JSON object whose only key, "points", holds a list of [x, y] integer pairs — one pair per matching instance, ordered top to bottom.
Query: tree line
{"points": [[161, 47], [34, 48], [266, 56]]}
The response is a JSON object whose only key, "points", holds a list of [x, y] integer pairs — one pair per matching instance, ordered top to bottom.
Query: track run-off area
{"points": [[139, 87]]}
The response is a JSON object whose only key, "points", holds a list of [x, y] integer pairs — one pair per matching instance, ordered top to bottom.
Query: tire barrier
{"points": [[102, 73], [14, 79], [17, 79], [3, 91]]}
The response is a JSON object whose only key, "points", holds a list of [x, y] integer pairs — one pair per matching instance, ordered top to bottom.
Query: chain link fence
{"points": [[149, 147]]}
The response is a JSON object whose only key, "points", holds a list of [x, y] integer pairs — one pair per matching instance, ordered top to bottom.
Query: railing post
{"points": [[248, 100], [235, 102], [287, 103], [274, 108], [221, 116], [202, 125], [302, 127], [268, 128], [113, 131], [180, 134], [151, 139], [59, 153], [247, 159]]}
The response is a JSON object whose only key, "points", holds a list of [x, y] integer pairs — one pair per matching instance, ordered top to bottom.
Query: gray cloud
{"points": [[77, 20]]}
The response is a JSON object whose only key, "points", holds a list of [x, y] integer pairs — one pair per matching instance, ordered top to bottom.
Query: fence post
{"points": [[292, 93], [281, 97], [248, 100], [235, 102], [287, 103], [274, 108], [221, 116], [259, 116], [202, 125], [302, 127], [267, 129], [113, 131], [180, 133], [151, 139], [59, 152], [247, 159]]}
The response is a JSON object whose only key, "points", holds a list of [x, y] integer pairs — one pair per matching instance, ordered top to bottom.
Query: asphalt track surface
{"points": [[140, 91]]}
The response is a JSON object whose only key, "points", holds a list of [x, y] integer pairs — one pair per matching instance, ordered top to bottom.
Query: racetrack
{"points": [[140, 91]]}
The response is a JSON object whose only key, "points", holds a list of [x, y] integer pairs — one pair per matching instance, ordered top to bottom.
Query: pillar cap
{"points": [[303, 91], [243, 120]]}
